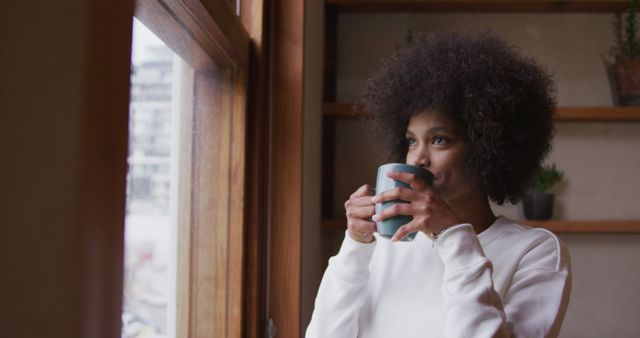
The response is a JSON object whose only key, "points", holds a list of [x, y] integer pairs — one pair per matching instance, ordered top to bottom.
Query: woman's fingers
{"points": [[412, 180], [364, 190], [399, 193], [360, 198], [360, 201], [359, 207], [396, 209], [359, 210], [362, 212], [430, 213], [361, 226], [361, 230], [405, 230]]}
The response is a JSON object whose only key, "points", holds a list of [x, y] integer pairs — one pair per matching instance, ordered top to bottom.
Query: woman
{"points": [[479, 116]]}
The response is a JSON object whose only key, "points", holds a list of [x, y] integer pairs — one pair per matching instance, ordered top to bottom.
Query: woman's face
{"points": [[438, 144]]}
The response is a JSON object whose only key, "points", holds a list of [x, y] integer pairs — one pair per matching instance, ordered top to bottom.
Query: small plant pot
{"points": [[627, 76], [538, 205]]}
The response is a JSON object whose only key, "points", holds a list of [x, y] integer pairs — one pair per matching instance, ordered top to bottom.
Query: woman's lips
{"points": [[436, 178]]}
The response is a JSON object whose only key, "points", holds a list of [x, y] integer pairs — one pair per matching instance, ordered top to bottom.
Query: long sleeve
{"points": [[342, 292], [537, 300], [534, 304]]}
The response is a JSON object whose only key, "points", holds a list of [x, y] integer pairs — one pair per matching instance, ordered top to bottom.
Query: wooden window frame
{"points": [[209, 36], [274, 167], [273, 170], [285, 196]]}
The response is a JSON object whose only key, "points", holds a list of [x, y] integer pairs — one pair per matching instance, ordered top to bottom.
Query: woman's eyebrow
{"points": [[439, 128], [449, 129], [433, 130]]}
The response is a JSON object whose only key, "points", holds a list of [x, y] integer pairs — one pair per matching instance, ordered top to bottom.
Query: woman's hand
{"points": [[360, 209], [430, 213]]}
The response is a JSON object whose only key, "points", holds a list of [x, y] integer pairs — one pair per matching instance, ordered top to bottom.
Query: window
{"points": [[161, 84], [183, 273]]}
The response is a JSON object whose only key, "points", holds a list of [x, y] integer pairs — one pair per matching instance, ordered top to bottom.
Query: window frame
{"points": [[210, 37], [80, 56]]}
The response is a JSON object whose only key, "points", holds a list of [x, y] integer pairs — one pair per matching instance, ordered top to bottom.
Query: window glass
{"points": [[157, 77], [184, 224]]}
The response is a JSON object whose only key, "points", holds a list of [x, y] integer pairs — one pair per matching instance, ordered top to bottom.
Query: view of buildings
{"points": [[148, 253]]}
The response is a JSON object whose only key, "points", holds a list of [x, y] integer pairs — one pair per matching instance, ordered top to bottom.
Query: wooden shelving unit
{"points": [[477, 6], [342, 111], [334, 112], [564, 114], [598, 114], [605, 226]]}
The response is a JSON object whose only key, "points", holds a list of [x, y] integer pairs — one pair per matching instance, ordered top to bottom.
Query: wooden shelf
{"points": [[477, 6], [333, 111], [342, 111], [564, 114], [598, 114], [336, 224], [605, 226]]}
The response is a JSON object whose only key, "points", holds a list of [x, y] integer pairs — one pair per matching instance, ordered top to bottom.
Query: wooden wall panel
{"points": [[257, 143], [103, 166], [286, 170]]}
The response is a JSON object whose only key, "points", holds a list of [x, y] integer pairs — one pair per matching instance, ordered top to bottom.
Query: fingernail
{"points": [[375, 199], [375, 217]]}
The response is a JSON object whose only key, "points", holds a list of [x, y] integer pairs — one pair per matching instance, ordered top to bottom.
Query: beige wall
{"points": [[601, 160], [606, 285]]}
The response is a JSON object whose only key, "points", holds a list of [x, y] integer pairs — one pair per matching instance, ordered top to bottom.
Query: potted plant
{"points": [[626, 52], [538, 202]]}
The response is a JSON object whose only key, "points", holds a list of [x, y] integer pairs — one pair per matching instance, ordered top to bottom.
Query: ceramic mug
{"points": [[388, 227]]}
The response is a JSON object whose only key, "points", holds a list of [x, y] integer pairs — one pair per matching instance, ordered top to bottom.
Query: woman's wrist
{"points": [[436, 232], [434, 235], [362, 238]]}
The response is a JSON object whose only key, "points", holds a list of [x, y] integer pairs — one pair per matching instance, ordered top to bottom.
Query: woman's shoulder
{"points": [[539, 247]]}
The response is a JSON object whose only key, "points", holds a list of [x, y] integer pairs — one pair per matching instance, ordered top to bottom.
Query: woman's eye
{"points": [[439, 140], [411, 141]]}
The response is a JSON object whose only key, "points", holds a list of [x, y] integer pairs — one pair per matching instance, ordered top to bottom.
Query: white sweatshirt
{"points": [[509, 281]]}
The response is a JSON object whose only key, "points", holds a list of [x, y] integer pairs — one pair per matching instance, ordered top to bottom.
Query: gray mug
{"points": [[388, 227]]}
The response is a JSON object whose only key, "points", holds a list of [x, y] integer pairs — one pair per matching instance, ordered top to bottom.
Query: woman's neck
{"points": [[475, 210]]}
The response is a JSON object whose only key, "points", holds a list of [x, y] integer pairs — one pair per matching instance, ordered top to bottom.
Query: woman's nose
{"points": [[419, 157]]}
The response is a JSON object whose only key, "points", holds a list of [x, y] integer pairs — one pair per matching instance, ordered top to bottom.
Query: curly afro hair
{"points": [[504, 100]]}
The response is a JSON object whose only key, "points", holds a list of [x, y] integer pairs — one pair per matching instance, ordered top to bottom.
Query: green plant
{"points": [[627, 43], [546, 177]]}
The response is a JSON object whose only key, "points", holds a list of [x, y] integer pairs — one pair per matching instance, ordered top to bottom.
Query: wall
{"points": [[600, 160], [62, 183], [38, 210], [312, 234]]}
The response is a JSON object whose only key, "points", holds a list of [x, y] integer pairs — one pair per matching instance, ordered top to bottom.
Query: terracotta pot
{"points": [[627, 76], [538, 205]]}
